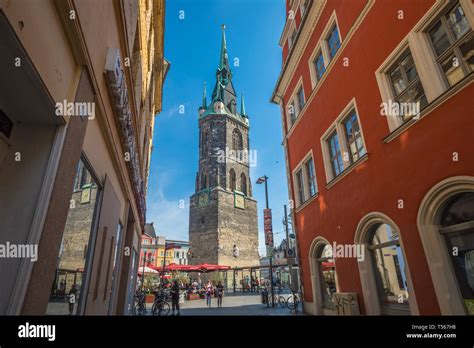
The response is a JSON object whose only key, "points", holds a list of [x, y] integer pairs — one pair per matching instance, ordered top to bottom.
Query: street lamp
{"points": [[261, 180], [145, 260]]}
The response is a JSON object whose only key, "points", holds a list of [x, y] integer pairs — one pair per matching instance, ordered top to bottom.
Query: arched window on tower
{"points": [[204, 143], [237, 143], [232, 180], [203, 181], [243, 184]]}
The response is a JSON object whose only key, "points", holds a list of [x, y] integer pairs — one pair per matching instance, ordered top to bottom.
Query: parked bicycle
{"points": [[293, 301], [140, 305], [160, 305]]}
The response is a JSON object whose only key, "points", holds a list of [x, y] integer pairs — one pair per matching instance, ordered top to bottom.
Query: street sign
{"points": [[267, 227]]}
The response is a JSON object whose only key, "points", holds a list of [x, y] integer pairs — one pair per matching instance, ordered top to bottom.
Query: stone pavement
{"points": [[235, 305]]}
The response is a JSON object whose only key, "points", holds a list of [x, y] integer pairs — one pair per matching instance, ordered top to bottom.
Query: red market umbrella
{"points": [[327, 265], [175, 267], [206, 267], [182, 268]]}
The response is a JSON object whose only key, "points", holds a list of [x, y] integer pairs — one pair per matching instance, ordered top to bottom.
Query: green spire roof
{"points": [[224, 59], [204, 98], [242, 105]]}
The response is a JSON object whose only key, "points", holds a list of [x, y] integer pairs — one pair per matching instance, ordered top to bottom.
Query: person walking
{"points": [[209, 294], [220, 294], [175, 296], [72, 298]]}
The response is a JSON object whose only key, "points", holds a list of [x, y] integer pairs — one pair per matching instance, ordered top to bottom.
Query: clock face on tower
{"points": [[218, 107], [203, 199]]}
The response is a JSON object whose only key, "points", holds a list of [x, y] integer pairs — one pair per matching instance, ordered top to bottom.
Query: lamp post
{"points": [[261, 180], [144, 263], [163, 271]]}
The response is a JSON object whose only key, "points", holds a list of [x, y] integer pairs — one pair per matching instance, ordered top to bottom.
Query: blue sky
{"points": [[192, 45]]}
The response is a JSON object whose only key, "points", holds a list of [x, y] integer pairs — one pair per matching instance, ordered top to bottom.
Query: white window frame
{"points": [[468, 10], [305, 11], [292, 30], [325, 36], [418, 42], [322, 46], [312, 67], [294, 99], [338, 126], [306, 180], [299, 202]]}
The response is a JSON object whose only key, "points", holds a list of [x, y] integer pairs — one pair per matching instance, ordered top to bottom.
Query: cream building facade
{"points": [[104, 62]]}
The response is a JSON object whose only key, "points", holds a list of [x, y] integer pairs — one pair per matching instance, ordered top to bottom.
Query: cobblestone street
{"points": [[235, 305], [248, 305]]}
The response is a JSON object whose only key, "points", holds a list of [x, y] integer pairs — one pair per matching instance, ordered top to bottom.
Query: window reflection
{"points": [[457, 221], [389, 267], [327, 272], [68, 283]]}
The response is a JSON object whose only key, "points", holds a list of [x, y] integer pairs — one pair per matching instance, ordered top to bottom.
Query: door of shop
{"points": [[101, 271]]}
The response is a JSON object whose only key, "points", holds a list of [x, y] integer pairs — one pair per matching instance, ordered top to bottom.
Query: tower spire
{"points": [[224, 59], [204, 97], [242, 105]]}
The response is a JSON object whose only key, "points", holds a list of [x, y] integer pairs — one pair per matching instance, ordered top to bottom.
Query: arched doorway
{"points": [[446, 226], [384, 272], [323, 277]]}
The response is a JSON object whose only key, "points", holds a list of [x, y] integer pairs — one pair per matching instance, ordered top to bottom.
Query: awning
{"points": [[147, 270]]}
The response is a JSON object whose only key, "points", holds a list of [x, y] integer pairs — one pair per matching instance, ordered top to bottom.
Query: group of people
{"points": [[250, 284], [209, 289], [217, 291]]}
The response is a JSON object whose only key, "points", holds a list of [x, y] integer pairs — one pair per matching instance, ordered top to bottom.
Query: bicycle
{"points": [[280, 299], [293, 301], [160, 305], [140, 306]]}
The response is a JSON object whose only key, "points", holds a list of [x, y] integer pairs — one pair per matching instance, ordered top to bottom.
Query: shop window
{"points": [[457, 229], [74, 256], [389, 267], [327, 274]]}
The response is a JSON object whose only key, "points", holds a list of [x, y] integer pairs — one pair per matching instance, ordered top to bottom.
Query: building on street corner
{"points": [[81, 84], [376, 101]]}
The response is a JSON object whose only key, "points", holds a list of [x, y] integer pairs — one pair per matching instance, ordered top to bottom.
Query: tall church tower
{"points": [[223, 226]]}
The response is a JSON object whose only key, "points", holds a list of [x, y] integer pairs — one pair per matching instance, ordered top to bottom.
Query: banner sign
{"points": [[118, 90], [267, 227]]}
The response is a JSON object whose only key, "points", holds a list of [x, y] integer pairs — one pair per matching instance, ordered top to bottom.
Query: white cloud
{"points": [[170, 217]]}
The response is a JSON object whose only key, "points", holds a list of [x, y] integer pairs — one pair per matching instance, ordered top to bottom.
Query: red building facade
{"points": [[377, 114]]}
